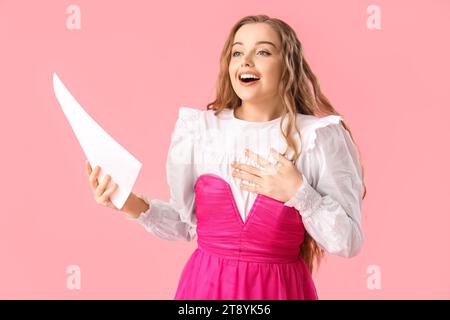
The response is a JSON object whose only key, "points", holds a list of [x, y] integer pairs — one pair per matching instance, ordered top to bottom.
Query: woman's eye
{"points": [[265, 53]]}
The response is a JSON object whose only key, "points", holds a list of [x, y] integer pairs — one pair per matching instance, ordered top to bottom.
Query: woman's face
{"points": [[263, 59]]}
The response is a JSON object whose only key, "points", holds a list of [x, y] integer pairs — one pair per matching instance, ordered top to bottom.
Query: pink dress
{"points": [[255, 259]]}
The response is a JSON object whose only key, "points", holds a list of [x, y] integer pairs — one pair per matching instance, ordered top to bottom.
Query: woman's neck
{"points": [[257, 113]]}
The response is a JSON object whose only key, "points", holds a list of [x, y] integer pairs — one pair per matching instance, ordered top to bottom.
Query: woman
{"points": [[263, 210]]}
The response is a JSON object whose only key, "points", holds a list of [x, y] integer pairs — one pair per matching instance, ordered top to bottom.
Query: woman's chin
{"points": [[248, 97]]}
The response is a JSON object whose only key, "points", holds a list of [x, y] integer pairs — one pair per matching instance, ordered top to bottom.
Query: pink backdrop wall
{"points": [[132, 64]]}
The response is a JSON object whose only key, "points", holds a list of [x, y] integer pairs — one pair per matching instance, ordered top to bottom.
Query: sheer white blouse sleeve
{"points": [[330, 201], [176, 219]]}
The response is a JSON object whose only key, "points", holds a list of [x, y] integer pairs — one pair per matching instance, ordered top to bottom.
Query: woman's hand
{"points": [[279, 182], [101, 194], [134, 205]]}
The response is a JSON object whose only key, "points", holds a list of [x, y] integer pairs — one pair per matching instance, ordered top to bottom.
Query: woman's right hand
{"points": [[101, 194]]}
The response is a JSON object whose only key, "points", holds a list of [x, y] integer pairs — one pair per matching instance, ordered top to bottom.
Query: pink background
{"points": [[134, 63]]}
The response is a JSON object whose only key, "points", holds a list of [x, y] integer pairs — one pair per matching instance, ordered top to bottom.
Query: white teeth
{"points": [[247, 76]]}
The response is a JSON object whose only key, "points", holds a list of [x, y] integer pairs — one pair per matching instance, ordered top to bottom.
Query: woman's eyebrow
{"points": [[259, 42]]}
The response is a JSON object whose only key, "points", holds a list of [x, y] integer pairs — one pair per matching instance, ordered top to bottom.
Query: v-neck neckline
{"points": [[233, 201]]}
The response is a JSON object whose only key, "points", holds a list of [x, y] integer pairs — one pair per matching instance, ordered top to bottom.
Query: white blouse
{"points": [[329, 199]]}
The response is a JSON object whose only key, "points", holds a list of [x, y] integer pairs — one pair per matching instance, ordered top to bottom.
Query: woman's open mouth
{"points": [[248, 80]]}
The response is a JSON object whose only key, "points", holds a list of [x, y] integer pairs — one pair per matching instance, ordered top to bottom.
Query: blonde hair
{"points": [[295, 93]]}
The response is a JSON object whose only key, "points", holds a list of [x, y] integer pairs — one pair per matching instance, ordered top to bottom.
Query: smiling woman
{"points": [[255, 55], [263, 216]]}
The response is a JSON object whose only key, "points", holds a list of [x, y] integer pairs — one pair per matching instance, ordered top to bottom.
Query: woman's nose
{"points": [[246, 62]]}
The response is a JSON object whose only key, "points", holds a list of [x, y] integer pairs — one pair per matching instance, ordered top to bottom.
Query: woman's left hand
{"points": [[279, 181]]}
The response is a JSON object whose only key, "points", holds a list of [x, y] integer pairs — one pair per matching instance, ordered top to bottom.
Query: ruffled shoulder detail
{"points": [[188, 113], [188, 123], [310, 124], [185, 136]]}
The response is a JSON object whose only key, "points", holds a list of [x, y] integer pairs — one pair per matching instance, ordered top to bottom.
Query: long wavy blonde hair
{"points": [[296, 96]]}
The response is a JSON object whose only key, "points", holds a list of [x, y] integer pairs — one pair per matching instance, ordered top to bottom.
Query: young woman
{"points": [[267, 177]]}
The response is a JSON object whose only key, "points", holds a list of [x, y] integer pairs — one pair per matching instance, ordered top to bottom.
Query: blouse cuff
{"points": [[306, 200]]}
